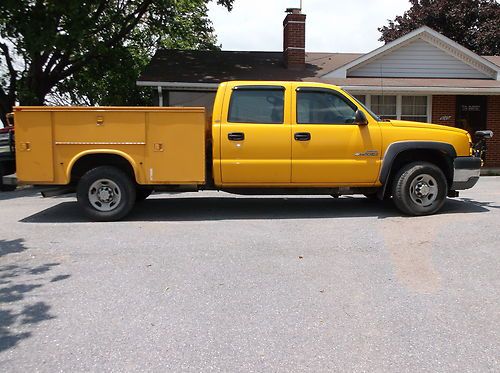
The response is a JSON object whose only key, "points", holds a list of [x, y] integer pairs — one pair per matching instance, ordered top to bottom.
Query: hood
{"points": [[404, 123]]}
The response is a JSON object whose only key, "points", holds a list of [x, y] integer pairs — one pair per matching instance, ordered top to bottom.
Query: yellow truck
{"points": [[262, 138]]}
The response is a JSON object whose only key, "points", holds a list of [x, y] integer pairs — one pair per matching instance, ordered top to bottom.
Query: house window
{"points": [[360, 98], [384, 106], [403, 107], [414, 108]]}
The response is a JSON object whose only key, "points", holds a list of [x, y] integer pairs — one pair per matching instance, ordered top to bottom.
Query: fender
{"points": [[396, 148], [101, 151]]}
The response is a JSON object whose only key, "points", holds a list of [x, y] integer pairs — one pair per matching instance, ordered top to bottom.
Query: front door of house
{"points": [[471, 113]]}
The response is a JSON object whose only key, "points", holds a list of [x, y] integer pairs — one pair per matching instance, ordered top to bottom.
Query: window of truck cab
{"points": [[257, 105], [323, 106]]}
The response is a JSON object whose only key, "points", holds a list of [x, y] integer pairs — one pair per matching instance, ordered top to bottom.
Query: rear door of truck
{"points": [[256, 134]]}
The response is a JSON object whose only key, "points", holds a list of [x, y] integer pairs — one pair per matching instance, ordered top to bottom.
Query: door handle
{"points": [[236, 136], [302, 136]]}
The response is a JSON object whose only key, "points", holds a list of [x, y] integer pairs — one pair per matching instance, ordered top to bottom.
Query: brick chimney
{"points": [[294, 39]]}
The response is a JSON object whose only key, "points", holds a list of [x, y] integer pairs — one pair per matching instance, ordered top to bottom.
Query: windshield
{"points": [[375, 116]]}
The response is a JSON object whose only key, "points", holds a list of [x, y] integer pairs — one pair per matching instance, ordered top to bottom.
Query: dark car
{"points": [[7, 154]]}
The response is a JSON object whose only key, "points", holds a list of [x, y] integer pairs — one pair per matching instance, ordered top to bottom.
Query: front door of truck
{"points": [[255, 135], [327, 147]]}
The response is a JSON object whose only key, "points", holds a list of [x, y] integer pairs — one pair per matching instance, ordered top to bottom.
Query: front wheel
{"points": [[419, 188], [106, 194]]}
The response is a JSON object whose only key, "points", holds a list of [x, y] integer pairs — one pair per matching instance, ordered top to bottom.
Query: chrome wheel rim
{"points": [[424, 190], [104, 195]]}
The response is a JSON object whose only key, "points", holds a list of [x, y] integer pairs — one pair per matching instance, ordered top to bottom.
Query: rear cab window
{"points": [[257, 104]]}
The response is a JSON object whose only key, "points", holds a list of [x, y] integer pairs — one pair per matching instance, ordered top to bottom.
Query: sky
{"points": [[332, 25]]}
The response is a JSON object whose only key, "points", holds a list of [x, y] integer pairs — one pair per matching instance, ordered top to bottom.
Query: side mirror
{"points": [[360, 118], [483, 135]]}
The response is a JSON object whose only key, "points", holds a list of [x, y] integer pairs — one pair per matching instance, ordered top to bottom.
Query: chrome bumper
{"points": [[466, 172], [9, 179]]}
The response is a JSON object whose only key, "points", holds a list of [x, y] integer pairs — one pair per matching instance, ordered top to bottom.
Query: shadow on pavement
{"points": [[20, 192], [481, 204], [227, 208], [18, 316]]}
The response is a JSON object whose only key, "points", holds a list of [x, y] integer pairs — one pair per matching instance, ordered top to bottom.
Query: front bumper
{"points": [[466, 172], [9, 179]]}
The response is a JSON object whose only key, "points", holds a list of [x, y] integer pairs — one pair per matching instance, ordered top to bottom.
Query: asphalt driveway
{"points": [[215, 282]]}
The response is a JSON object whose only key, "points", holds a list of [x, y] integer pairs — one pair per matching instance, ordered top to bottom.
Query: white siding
{"points": [[418, 59]]}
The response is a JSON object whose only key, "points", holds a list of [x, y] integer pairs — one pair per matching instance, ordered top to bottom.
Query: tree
{"points": [[471, 23], [90, 51]]}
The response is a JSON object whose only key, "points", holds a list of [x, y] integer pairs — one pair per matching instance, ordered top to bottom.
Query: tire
{"points": [[6, 170], [7, 188], [419, 188], [142, 193], [106, 194]]}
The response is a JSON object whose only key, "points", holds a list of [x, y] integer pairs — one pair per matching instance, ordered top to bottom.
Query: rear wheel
{"points": [[419, 188], [106, 193]]}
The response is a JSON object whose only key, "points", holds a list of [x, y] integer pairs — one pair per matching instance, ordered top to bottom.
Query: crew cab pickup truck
{"points": [[262, 138]]}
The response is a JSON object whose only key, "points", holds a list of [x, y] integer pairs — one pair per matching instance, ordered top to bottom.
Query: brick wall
{"points": [[294, 40], [444, 110], [493, 123]]}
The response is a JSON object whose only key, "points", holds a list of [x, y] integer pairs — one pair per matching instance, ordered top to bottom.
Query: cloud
{"points": [[332, 25]]}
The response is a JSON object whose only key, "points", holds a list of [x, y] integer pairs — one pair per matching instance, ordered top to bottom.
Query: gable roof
{"points": [[447, 47], [493, 59], [193, 66], [204, 70]]}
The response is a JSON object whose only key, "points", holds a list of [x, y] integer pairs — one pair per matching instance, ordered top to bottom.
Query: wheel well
{"points": [[434, 156], [90, 161]]}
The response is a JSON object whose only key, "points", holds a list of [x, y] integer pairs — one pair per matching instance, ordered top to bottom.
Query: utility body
{"points": [[262, 138]]}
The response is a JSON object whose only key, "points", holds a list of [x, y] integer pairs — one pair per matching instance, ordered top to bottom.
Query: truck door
{"points": [[255, 134], [327, 147]]}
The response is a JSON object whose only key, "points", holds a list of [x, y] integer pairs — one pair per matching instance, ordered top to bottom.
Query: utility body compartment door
{"points": [[255, 136], [175, 146], [34, 147], [327, 147]]}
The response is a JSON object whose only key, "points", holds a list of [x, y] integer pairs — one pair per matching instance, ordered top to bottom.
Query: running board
{"points": [[54, 192]]}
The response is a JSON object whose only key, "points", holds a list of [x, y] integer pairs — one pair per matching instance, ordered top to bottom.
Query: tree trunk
{"points": [[6, 104]]}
